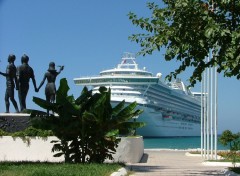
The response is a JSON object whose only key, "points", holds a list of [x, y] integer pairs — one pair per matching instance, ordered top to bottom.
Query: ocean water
{"points": [[176, 143]]}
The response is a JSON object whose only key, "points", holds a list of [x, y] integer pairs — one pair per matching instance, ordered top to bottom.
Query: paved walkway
{"points": [[170, 162]]}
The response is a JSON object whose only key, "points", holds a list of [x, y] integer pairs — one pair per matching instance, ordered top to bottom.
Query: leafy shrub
{"points": [[87, 127], [32, 132], [3, 133], [233, 141]]}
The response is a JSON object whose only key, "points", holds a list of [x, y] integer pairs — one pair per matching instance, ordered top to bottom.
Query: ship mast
{"points": [[128, 61]]}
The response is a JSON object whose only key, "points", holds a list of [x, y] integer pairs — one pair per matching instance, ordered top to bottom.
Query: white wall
{"points": [[130, 150]]}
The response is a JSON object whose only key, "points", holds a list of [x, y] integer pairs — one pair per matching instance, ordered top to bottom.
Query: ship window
{"points": [[126, 73], [115, 80]]}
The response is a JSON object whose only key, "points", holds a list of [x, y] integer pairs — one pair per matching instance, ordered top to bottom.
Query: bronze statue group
{"points": [[19, 78]]}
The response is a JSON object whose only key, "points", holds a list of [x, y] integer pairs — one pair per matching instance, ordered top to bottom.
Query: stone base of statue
{"points": [[12, 122]]}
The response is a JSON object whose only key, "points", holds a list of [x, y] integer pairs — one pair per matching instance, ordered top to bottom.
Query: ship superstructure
{"points": [[170, 109]]}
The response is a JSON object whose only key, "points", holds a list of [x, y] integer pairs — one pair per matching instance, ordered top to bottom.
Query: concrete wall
{"points": [[130, 150]]}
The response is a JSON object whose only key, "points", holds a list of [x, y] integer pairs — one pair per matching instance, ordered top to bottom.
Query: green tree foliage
{"points": [[189, 29], [87, 127], [228, 137], [233, 140]]}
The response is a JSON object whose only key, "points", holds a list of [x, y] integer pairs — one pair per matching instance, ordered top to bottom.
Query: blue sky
{"points": [[87, 37]]}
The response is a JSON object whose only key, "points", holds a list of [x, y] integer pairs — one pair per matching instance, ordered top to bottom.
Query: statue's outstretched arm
{"points": [[61, 68], [8, 71], [4, 74], [32, 76], [34, 84], [41, 84]]}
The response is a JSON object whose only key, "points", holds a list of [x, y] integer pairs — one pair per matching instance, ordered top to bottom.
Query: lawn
{"points": [[56, 169]]}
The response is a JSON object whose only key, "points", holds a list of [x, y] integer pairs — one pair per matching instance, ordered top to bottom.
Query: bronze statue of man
{"points": [[24, 73], [50, 75], [11, 80]]}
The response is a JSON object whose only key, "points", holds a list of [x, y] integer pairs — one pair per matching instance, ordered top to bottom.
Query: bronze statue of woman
{"points": [[50, 75]]}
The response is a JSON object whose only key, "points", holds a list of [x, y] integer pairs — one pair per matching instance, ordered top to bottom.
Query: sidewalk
{"points": [[172, 162]]}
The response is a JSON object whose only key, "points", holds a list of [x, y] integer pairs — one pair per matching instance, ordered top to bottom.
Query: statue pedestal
{"points": [[12, 122]]}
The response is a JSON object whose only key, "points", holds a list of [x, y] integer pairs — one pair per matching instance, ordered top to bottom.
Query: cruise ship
{"points": [[170, 108]]}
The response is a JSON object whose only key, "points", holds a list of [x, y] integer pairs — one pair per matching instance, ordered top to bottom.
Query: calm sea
{"points": [[176, 143]]}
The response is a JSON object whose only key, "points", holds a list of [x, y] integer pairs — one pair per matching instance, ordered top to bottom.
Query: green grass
{"points": [[56, 169]]}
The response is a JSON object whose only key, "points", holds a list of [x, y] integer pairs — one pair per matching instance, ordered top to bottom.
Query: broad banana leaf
{"points": [[62, 90], [45, 104], [118, 108]]}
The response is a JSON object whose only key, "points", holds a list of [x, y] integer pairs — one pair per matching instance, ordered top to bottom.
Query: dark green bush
{"points": [[87, 127], [30, 131], [233, 141]]}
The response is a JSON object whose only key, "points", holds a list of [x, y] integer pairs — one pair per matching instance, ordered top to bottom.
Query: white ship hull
{"points": [[157, 126]]}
